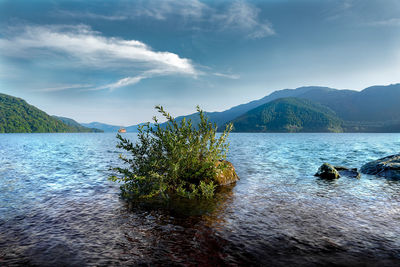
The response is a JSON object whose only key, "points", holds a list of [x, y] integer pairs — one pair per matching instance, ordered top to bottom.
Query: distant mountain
{"points": [[373, 104], [375, 109], [288, 115], [17, 116], [223, 117], [78, 127], [107, 128], [112, 128], [134, 128]]}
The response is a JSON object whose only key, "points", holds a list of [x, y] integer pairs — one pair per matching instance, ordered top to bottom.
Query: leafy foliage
{"points": [[17, 116], [172, 159]]}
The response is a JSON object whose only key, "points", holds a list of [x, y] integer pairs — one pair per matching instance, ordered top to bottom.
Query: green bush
{"points": [[172, 159]]}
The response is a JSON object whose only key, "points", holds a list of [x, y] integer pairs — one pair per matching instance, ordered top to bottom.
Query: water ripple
{"points": [[58, 208]]}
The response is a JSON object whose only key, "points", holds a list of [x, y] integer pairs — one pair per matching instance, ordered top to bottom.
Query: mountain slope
{"points": [[376, 103], [373, 104], [374, 109], [288, 115], [17, 116], [223, 117], [78, 127], [107, 128], [112, 128]]}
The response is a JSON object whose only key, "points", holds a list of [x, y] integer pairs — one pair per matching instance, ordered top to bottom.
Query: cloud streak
{"points": [[163, 9], [89, 15], [239, 16], [387, 22], [81, 46], [229, 76], [120, 83], [64, 87]]}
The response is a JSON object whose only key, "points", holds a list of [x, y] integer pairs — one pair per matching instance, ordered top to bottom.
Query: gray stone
{"points": [[388, 167]]}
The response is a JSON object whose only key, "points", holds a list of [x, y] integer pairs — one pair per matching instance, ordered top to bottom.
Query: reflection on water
{"points": [[58, 208]]}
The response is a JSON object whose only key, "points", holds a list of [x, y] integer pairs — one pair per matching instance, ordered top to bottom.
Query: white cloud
{"points": [[81, 46], [90, 48]]}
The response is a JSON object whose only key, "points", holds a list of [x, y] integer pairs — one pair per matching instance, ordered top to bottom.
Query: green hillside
{"points": [[374, 109], [289, 115], [17, 116], [78, 127]]}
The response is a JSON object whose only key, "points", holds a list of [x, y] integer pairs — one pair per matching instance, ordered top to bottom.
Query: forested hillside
{"points": [[289, 115], [17, 116]]}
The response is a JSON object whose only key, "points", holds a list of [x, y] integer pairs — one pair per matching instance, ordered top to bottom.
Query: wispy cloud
{"points": [[163, 9], [341, 9], [89, 15], [240, 16], [244, 16], [387, 22], [81, 46], [225, 75], [120, 83], [64, 87]]}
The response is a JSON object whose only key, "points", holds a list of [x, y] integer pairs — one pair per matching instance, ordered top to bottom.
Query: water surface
{"points": [[58, 208]]}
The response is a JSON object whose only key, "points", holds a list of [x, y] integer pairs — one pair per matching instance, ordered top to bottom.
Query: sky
{"points": [[113, 61]]}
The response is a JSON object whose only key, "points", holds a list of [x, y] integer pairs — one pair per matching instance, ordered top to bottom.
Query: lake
{"points": [[58, 208]]}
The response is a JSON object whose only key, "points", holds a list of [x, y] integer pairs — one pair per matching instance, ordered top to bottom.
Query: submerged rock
{"points": [[388, 167], [327, 171], [348, 172], [227, 174]]}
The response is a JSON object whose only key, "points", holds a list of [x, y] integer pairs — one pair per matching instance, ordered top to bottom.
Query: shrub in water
{"points": [[174, 159]]}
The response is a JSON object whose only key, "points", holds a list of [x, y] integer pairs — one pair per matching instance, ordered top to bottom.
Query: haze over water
{"points": [[58, 208]]}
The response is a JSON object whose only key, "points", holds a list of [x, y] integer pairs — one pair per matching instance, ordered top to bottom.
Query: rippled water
{"points": [[58, 208]]}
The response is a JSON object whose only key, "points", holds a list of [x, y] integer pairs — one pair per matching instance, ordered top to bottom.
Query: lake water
{"points": [[58, 208]]}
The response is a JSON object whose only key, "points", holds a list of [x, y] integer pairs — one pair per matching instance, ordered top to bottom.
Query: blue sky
{"points": [[112, 61]]}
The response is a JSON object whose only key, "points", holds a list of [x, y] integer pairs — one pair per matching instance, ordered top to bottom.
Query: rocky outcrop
{"points": [[388, 167], [328, 171], [348, 172], [226, 174]]}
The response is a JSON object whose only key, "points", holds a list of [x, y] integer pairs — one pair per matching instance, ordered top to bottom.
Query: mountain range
{"points": [[304, 109], [374, 109]]}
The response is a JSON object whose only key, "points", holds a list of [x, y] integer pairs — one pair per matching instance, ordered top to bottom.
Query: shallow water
{"points": [[58, 208]]}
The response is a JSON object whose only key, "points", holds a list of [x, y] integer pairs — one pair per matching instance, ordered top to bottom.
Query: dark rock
{"points": [[388, 167], [341, 168], [327, 171], [348, 172]]}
